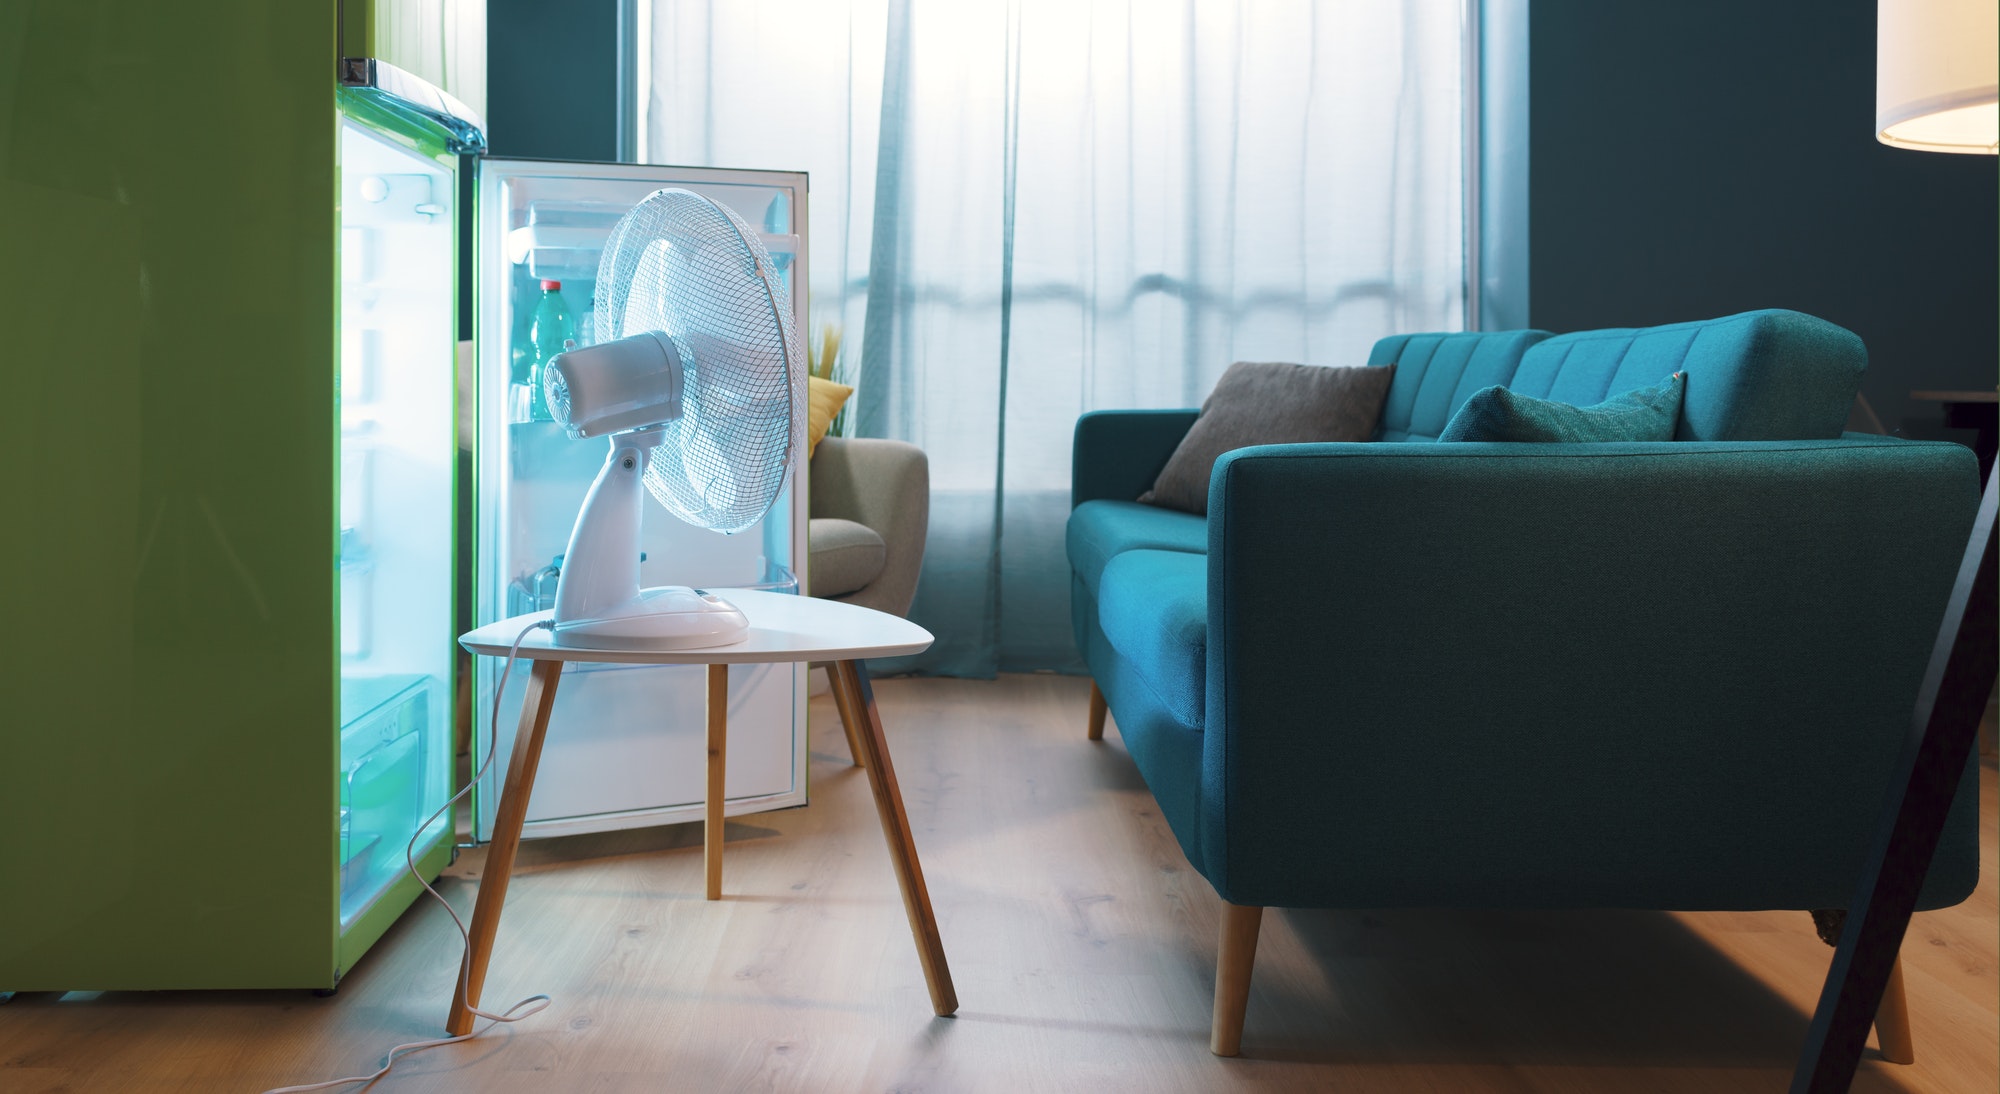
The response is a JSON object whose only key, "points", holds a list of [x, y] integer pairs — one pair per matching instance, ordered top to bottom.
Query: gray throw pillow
{"points": [[1269, 403], [1497, 414]]}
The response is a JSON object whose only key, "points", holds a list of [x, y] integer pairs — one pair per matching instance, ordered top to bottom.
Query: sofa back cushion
{"points": [[1436, 373], [1757, 376]]}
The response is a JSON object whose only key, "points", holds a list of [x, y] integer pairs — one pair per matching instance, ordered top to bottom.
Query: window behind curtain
{"points": [[1029, 209]]}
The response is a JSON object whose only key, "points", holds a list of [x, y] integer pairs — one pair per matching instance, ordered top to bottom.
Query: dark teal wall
{"points": [[552, 79], [1710, 156]]}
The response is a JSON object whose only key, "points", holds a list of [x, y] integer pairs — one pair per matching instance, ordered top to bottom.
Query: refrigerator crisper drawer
{"points": [[387, 721], [626, 745]]}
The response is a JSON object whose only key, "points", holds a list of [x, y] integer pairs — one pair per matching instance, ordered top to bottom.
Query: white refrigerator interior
{"points": [[626, 744]]}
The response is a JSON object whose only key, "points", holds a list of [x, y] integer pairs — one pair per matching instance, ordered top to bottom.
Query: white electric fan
{"points": [[700, 386]]}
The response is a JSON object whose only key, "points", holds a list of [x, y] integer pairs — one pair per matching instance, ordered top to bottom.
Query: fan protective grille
{"points": [[691, 269]]}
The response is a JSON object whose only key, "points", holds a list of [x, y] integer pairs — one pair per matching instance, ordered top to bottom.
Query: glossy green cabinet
{"points": [[183, 543]]}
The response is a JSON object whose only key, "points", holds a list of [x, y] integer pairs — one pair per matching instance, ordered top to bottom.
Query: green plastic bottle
{"points": [[550, 330]]}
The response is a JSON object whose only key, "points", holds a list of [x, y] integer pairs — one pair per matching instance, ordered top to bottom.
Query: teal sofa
{"points": [[1668, 675]]}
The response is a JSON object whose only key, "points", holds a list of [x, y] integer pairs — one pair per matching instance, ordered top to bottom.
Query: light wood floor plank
{"points": [[1082, 944]]}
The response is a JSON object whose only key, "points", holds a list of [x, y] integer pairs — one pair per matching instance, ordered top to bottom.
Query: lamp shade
{"points": [[1937, 74]]}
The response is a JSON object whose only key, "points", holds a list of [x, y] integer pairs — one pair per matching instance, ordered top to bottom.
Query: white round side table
{"points": [[782, 628]]}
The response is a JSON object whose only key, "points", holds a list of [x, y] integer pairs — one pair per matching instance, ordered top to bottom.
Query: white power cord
{"points": [[540, 1002]]}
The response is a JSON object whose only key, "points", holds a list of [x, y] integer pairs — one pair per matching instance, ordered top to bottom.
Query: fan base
{"points": [[668, 617]]}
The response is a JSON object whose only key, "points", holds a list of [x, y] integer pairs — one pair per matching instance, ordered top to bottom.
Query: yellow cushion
{"points": [[824, 399]]}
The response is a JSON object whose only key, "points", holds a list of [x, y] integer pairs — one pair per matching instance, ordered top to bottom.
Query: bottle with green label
{"points": [[551, 330]]}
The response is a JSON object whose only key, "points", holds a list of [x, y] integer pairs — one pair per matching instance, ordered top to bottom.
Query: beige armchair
{"points": [[869, 513]]}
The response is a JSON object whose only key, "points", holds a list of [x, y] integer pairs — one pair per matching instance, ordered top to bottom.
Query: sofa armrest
{"points": [[1116, 454], [885, 485], [1574, 675]]}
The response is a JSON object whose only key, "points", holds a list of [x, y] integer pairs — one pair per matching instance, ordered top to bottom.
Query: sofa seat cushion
{"points": [[1100, 530], [841, 556], [1153, 608]]}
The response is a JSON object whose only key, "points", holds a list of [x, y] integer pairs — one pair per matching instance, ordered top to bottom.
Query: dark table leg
{"points": [[1984, 420], [1941, 740]]}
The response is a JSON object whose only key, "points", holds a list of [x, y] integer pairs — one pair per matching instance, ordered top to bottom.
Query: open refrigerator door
{"points": [[398, 185], [626, 743]]}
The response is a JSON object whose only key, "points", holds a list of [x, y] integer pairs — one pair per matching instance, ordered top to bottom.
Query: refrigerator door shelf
{"points": [[374, 709]]}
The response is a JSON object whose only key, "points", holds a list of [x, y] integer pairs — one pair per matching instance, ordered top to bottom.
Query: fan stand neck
{"points": [[599, 603]]}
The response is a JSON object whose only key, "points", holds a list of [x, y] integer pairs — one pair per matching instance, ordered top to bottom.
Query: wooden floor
{"points": [[1082, 945]]}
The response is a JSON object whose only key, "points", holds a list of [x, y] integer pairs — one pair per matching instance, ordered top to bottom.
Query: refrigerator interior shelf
{"points": [[550, 246]]}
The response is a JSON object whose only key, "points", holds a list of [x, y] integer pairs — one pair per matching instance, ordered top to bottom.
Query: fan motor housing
{"points": [[629, 383]]}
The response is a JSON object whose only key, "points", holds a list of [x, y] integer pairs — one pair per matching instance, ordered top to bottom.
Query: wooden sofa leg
{"points": [[848, 718], [1096, 732], [1232, 975], [1892, 1018]]}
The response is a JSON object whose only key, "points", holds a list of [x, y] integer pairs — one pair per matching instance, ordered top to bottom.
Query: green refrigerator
{"points": [[230, 305]]}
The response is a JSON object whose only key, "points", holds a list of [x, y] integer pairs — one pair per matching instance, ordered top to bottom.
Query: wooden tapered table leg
{"points": [[852, 691], [848, 718], [718, 747], [513, 811]]}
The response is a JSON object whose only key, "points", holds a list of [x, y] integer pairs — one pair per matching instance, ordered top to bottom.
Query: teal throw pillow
{"points": [[1642, 414]]}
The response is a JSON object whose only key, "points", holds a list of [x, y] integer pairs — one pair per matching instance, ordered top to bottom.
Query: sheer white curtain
{"points": [[1026, 209]]}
